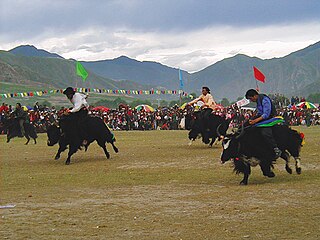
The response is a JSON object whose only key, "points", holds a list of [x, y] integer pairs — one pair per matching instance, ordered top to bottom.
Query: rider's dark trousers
{"points": [[205, 116], [80, 118], [21, 122], [267, 134]]}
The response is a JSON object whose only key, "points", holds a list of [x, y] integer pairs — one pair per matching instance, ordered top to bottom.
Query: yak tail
{"points": [[299, 136], [302, 138]]}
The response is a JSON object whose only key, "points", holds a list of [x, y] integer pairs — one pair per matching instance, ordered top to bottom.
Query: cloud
{"points": [[24, 18], [188, 34]]}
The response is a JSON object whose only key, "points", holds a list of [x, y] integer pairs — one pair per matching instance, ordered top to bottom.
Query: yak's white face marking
{"points": [[226, 143]]}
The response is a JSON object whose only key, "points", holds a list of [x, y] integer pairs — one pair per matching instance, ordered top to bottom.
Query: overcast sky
{"points": [[190, 34]]}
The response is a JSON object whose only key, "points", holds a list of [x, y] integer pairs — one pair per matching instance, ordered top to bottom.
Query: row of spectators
{"points": [[280, 101], [164, 118]]}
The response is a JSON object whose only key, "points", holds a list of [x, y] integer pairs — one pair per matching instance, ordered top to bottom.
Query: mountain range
{"points": [[30, 66], [295, 74]]}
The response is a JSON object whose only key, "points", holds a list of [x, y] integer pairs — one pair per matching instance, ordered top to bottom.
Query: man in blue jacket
{"points": [[265, 110]]}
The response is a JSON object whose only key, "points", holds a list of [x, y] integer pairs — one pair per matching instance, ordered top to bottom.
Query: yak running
{"points": [[195, 123], [13, 130], [66, 133], [248, 148]]}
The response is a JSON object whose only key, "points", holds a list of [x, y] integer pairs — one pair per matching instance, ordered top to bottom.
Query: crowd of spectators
{"points": [[280, 101], [162, 118]]}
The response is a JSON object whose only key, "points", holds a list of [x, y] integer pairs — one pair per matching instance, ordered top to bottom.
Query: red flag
{"points": [[258, 75]]}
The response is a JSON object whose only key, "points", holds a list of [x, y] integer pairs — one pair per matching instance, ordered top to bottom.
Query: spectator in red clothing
{"points": [[4, 108], [32, 116], [165, 126]]}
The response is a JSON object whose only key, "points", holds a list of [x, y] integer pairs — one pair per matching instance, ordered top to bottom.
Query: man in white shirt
{"points": [[78, 100]]}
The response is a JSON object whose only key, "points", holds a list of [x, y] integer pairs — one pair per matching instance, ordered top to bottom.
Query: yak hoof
{"points": [[116, 150], [56, 157], [67, 162], [288, 169], [298, 170], [270, 175], [243, 183]]}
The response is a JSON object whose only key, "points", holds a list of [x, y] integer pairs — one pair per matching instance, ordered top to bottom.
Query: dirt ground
{"points": [[156, 187]]}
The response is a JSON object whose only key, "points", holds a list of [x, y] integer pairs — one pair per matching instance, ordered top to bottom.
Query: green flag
{"points": [[81, 71]]}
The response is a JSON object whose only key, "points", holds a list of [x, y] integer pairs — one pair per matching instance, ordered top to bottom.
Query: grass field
{"points": [[156, 187]]}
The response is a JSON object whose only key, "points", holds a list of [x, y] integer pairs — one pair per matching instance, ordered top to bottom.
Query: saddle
{"points": [[270, 122]]}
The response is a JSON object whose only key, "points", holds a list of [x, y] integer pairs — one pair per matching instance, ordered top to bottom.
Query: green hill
{"points": [[32, 51], [51, 72], [146, 73], [295, 74]]}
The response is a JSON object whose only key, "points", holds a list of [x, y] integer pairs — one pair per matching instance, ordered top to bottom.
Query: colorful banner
{"points": [[94, 90], [242, 102]]}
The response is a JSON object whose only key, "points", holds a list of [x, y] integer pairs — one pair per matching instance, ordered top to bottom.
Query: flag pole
{"points": [[76, 85], [181, 86], [257, 87]]}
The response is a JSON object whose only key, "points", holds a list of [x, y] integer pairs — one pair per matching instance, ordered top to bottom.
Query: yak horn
{"points": [[218, 132], [241, 133]]}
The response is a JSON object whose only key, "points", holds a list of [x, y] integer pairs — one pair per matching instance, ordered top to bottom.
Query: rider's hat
{"points": [[69, 90]]}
